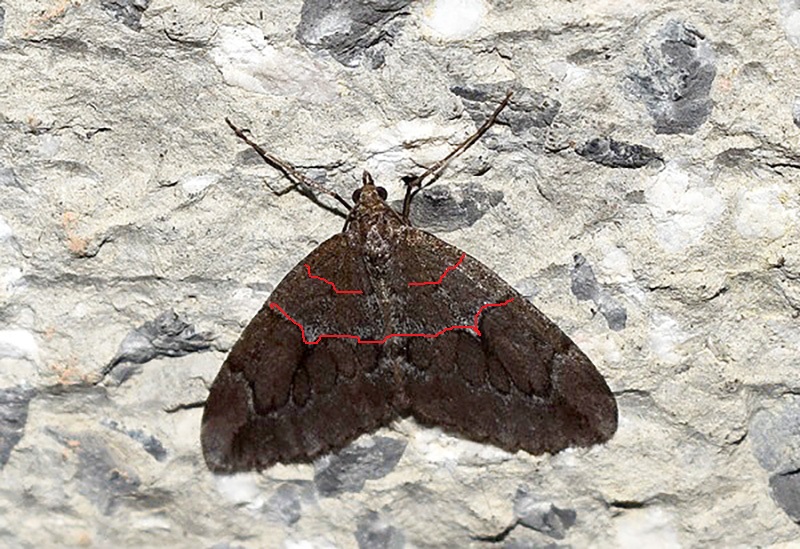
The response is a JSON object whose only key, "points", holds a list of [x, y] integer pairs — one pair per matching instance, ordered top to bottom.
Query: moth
{"points": [[384, 321]]}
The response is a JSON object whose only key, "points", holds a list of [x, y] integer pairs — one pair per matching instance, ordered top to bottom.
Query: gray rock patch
{"points": [[128, 12], [351, 30], [676, 83], [796, 112], [528, 114], [616, 154], [442, 210], [585, 287], [167, 335], [14, 403], [775, 436], [149, 443], [348, 470], [101, 478], [785, 490], [285, 504], [542, 516], [374, 533]]}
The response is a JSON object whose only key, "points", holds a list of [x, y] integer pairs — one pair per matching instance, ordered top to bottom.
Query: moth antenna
{"points": [[289, 171], [413, 186]]}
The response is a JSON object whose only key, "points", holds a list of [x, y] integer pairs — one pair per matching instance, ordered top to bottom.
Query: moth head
{"points": [[368, 188]]}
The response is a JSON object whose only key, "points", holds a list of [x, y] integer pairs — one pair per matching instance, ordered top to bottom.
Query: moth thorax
{"points": [[378, 242]]}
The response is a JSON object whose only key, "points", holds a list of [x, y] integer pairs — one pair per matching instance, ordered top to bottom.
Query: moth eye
{"points": [[382, 193], [356, 195]]}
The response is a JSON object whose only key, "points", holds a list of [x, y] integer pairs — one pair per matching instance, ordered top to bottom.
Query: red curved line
{"points": [[447, 270], [326, 281], [474, 327]]}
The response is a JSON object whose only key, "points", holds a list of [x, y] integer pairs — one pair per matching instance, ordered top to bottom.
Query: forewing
{"points": [[520, 384], [279, 399]]}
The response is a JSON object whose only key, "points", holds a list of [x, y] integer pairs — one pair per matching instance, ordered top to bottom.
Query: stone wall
{"points": [[641, 190]]}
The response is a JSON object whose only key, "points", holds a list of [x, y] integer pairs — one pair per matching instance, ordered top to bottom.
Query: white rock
{"points": [[790, 15], [454, 19], [335, 21], [247, 61], [570, 74], [49, 145], [197, 183], [683, 208], [762, 213], [5, 230], [615, 265], [10, 278], [665, 338], [16, 343], [597, 346], [438, 447], [239, 489], [651, 528], [317, 543]]}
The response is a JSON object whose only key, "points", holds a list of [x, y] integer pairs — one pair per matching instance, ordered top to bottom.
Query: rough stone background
{"points": [[642, 190]]}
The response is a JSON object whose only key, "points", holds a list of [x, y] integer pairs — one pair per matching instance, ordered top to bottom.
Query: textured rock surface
{"points": [[642, 188]]}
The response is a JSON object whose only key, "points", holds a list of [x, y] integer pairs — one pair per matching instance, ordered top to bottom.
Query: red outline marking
{"points": [[447, 270], [326, 281], [474, 327]]}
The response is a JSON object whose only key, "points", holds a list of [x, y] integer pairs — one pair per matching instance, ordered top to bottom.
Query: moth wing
{"points": [[521, 384], [278, 399]]}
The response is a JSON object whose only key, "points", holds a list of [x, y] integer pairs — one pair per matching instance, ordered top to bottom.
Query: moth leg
{"points": [[298, 180], [416, 184]]}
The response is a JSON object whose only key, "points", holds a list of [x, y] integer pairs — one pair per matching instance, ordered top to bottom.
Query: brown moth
{"points": [[384, 321]]}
